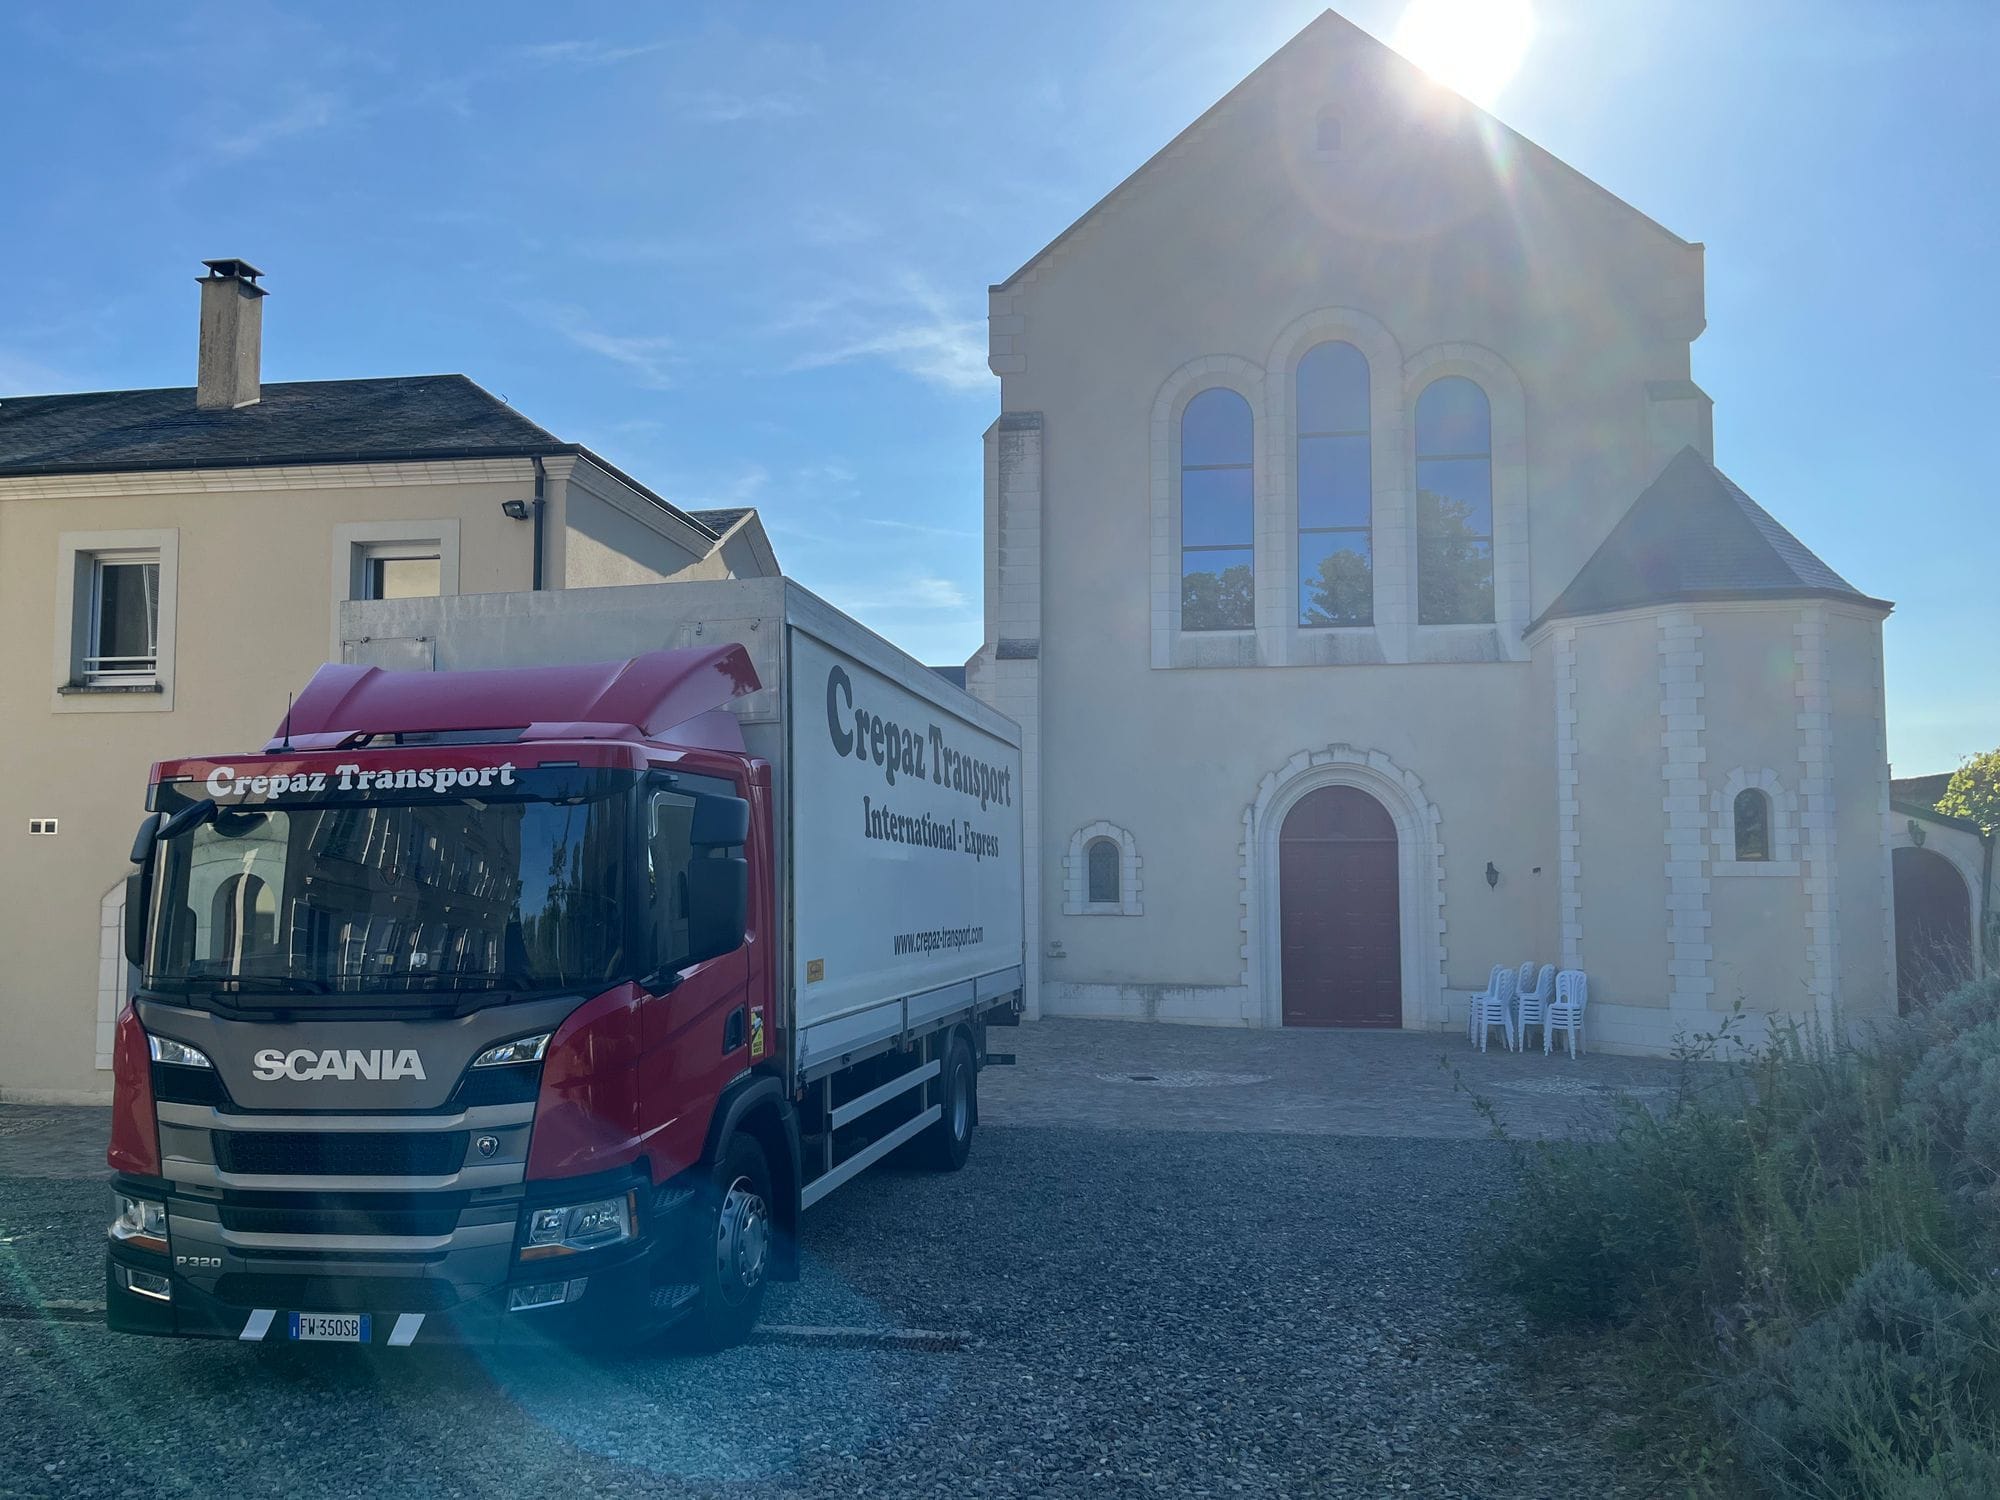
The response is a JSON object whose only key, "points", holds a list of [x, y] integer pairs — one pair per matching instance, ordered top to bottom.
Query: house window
{"points": [[1217, 484], [1454, 504], [1336, 541], [412, 571], [124, 620], [1753, 825], [1102, 860]]}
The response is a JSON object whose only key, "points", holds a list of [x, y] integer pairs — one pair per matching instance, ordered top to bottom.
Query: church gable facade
{"points": [[1357, 567]]}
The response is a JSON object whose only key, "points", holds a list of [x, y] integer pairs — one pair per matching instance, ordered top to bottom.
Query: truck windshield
{"points": [[523, 891]]}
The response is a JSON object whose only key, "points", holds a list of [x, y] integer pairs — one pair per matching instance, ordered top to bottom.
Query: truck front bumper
{"points": [[485, 1296]]}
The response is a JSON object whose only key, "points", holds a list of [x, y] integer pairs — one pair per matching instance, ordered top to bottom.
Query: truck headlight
{"points": [[523, 1049], [180, 1054], [141, 1223], [579, 1226]]}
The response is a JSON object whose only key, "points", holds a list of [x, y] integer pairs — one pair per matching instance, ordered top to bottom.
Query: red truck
{"points": [[539, 1001]]}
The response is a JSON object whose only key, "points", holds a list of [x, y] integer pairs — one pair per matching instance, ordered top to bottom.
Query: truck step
{"points": [[998, 1060], [673, 1298]]}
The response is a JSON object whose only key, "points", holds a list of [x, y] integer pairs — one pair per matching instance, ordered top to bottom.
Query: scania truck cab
{"points": [[461, 1015]]}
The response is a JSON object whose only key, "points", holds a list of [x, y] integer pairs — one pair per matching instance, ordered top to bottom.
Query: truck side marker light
{"points": [[259, 1325], [405, 1332]]}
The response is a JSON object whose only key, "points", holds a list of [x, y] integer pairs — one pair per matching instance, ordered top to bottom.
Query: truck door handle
{"points": [[733, 1031]]}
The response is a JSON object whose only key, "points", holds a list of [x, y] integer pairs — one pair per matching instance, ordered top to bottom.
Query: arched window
{"points": [[1217, 442], [1335, 477], [1454, 504], [1753, 825], [1102, 861]]}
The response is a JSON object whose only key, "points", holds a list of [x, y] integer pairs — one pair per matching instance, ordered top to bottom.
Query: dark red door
{"points": [[1337, 912], [1933, 926]]}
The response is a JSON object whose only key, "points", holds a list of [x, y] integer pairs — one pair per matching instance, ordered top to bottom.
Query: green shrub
{"points": [[1797, 1232], [1878, 1386]]}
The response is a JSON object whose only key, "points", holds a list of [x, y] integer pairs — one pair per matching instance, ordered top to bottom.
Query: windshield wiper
{"points": [[277, 984]]}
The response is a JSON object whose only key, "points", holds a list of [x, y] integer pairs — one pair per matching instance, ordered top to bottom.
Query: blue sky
{"points": [[743, 251]]}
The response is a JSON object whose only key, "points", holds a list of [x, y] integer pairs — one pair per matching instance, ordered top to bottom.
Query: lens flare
{"points": [[1471, 46]]}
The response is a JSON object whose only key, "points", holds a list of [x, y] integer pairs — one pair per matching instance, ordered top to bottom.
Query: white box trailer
{"points": [[898, 808]]}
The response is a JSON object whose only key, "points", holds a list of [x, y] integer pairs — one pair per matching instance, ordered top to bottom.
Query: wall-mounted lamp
{"points": [[515, 510], [1916, 833], [1492, 875]]}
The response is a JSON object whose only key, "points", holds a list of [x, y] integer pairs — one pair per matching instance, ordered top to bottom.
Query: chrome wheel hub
{"points": [[742, 1240]]}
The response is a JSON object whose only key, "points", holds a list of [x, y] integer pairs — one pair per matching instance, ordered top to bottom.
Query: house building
{"points": [[172, 563], [1359, 569], [1946, 926]]}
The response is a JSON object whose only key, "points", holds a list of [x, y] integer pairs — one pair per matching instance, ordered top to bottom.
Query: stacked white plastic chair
{"points": [[1531, 1003], [1494, 1007], [1565, 1012]]}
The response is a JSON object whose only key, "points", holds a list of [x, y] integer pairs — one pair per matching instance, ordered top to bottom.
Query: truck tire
{"points": [[944, 1147], [733, 1256]]}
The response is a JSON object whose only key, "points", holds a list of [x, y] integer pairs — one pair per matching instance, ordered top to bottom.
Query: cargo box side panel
{"points": [[906, 840]]}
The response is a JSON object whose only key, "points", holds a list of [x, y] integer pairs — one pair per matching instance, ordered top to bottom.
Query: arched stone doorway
{"points": [[1339, 921], [1933, 926]]}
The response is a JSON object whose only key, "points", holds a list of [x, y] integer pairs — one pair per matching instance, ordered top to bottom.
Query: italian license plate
{"points": [[337, 1328]]}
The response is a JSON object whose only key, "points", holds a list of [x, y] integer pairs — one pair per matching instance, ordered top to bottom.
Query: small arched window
{"points": [[1218, 437], [1454, 504], [1336, 538], [1753, 825], [1101, 863]]}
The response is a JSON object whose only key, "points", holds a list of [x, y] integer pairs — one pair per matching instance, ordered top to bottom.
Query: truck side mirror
{"points": [[719, 823], [718, 895], [135, 920]]}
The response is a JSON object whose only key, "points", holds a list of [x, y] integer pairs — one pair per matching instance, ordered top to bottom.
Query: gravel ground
{"points": [[1149, 1313]]}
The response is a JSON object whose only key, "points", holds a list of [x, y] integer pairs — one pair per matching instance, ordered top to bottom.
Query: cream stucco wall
{"points": [[257, 559], [1583, 761]]}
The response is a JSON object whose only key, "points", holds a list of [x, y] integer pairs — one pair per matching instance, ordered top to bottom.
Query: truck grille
{"points": [[302, 1153], [342, 1213], [335, 1293]]}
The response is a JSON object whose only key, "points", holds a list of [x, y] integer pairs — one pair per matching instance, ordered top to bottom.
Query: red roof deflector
{"points": [[644, 698]]}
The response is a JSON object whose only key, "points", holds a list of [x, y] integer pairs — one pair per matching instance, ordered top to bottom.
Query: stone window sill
{"points": [[107, 689], [1765, 867], [1102, 909]]}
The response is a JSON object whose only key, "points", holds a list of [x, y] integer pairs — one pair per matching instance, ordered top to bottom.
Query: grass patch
{"points": [[1793, 1262]]}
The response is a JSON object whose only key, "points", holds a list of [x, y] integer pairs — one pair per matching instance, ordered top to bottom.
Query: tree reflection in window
{"points": [[1218, 438], [1335, 485], [1454, 504], [1753, 825]]}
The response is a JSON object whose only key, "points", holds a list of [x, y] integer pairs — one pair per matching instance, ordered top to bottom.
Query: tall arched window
{"points": [[1218, 438], [1335, 477], [1454, 504], [1753, 825], [1102, 867]]}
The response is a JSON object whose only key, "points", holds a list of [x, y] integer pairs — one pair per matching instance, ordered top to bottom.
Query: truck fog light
{"points": [[141, 1223], [579, 1226], [146, 1284], [541, 1294]]}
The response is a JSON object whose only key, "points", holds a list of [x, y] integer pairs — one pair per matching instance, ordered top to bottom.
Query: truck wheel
{"points": [[945, 1145], [733, 1258]]}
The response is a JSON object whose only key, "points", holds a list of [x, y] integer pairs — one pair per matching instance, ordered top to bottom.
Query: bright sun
{"points": [[1472, 46]]}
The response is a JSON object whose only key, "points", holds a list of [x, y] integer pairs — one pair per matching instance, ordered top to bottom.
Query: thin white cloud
{"points": [[583, 53], [720, 107], [250, 134], [912, 328], [648, 356], [948, 531], [922, 591]]}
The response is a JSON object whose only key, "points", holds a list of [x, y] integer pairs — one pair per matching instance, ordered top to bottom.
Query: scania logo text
{"points": [[308, 1066]]}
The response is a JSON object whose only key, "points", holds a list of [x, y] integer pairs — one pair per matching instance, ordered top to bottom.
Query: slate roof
{"points": [[305, 421], [719, 521], [1693, 535], [1923, 791]]}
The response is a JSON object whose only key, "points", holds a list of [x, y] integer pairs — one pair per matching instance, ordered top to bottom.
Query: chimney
{"points": [[232, 336]]}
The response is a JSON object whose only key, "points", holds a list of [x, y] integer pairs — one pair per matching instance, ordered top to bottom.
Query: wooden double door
{"points": [[1340, 928]]}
